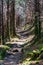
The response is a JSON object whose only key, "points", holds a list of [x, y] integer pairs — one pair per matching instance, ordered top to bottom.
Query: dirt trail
{"points": [[13, 56]]}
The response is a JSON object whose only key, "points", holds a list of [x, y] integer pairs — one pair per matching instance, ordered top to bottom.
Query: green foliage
{"points": [[9, 45], [6, 47], [41, 49], [3, 52], [35, 54]]}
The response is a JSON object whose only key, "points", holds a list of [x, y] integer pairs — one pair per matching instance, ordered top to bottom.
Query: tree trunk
{"points": [[12, 18], [37, 19], [8, 23], [3, 40]]}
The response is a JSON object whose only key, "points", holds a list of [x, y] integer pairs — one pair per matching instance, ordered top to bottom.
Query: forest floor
{"points": [[20, 41], [15, 56], [12, 59]]}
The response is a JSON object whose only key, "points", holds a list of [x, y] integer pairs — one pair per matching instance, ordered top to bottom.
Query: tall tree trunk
{"points": [[12, 18], [37, 19], [11, 22], [8, 26], [0, 28], [3, 40]]}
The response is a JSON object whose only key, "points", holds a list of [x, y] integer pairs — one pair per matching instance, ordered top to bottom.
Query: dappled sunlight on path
{"points": [[21, 41]]}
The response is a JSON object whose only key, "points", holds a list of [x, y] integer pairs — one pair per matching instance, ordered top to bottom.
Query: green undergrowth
{"points": [[9, 45], [3, 50], [33, 52], [37, 54]]}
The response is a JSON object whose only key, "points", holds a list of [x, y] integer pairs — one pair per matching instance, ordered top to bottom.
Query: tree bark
{"points": [[12, 19], [37, 19], [8, 22], [3, 40]]}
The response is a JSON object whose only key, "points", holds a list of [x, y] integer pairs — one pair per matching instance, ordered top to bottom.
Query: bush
{"points": [[3, 51], [36, 54]]}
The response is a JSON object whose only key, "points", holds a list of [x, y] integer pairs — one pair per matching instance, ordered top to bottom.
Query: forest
{"points": [[21, 32]]}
